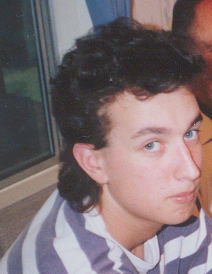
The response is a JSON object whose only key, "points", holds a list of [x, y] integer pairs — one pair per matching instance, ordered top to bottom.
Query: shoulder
{"points": [[196, 228], [36, 239], [60, 240], [51, 243], [188, 246]]}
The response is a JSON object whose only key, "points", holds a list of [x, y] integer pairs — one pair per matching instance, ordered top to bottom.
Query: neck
{"points": [[129, 231]]}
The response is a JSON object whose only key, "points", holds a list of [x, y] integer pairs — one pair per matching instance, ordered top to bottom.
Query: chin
{"points": [[181, 216]]}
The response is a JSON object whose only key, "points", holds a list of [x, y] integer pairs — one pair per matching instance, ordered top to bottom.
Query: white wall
{"points": [[156, 13], [70, 19]]}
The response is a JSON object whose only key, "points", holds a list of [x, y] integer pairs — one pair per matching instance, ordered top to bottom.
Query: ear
{"points": [[90, 160]]}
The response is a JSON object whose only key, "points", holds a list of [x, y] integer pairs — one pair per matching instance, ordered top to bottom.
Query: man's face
{"points": [[201, 29], [201, 32], [153, 157]]}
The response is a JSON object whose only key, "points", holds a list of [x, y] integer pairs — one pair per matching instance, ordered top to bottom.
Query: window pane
{"points": [[25, 135]]}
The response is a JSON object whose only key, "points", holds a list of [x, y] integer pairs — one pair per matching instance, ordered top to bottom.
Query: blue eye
{"points": [[192, 134], [152, 146]]}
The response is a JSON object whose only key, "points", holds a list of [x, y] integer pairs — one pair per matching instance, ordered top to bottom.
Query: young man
{"points": [[194, 19], [131, 166]]}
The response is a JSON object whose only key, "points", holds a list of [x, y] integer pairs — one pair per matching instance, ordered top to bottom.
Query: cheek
{"points": [[135, 172], [155, 175], [161, 179]]}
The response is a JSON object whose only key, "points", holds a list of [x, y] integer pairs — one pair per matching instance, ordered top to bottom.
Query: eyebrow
{"points": [[199, 118], [149, 130], [162, 130]]}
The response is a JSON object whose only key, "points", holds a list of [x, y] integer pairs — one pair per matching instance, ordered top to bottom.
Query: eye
{"points": [[191, 134], [153, 146]]}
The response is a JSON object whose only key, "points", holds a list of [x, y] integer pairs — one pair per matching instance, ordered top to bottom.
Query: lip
{"points": [[184, 197]]}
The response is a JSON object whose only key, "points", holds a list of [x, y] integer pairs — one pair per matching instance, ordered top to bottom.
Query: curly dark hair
{"points": [[118, 56]]}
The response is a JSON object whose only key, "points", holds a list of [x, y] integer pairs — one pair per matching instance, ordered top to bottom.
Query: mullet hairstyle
{"points": [[112, 58]]}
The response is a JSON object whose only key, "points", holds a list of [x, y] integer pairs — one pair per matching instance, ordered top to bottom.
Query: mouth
{"points": [[185, 197]]}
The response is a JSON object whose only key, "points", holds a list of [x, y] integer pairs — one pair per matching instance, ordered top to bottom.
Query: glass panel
{"points": [[25, 133]]}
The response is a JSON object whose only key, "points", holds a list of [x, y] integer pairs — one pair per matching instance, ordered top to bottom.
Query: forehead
{"points": [[169, 110]]}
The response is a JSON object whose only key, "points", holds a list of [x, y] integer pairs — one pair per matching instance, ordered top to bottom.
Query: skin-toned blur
{"points": [[201, 31]]}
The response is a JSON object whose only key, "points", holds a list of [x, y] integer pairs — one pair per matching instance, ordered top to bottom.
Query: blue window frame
{"points": [[26, 134]]}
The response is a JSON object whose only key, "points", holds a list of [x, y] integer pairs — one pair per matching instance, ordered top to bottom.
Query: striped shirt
{"points": [[61, 241]]}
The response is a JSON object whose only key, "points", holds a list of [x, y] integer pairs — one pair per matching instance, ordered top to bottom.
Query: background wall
{"points": [[156, 13], [70, 20]]}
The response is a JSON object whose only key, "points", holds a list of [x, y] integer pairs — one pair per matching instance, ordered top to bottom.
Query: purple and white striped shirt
{"points": [[61, 241]]}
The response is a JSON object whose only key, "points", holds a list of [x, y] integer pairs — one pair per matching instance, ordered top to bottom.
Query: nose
{"points": [[188, 163]]}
